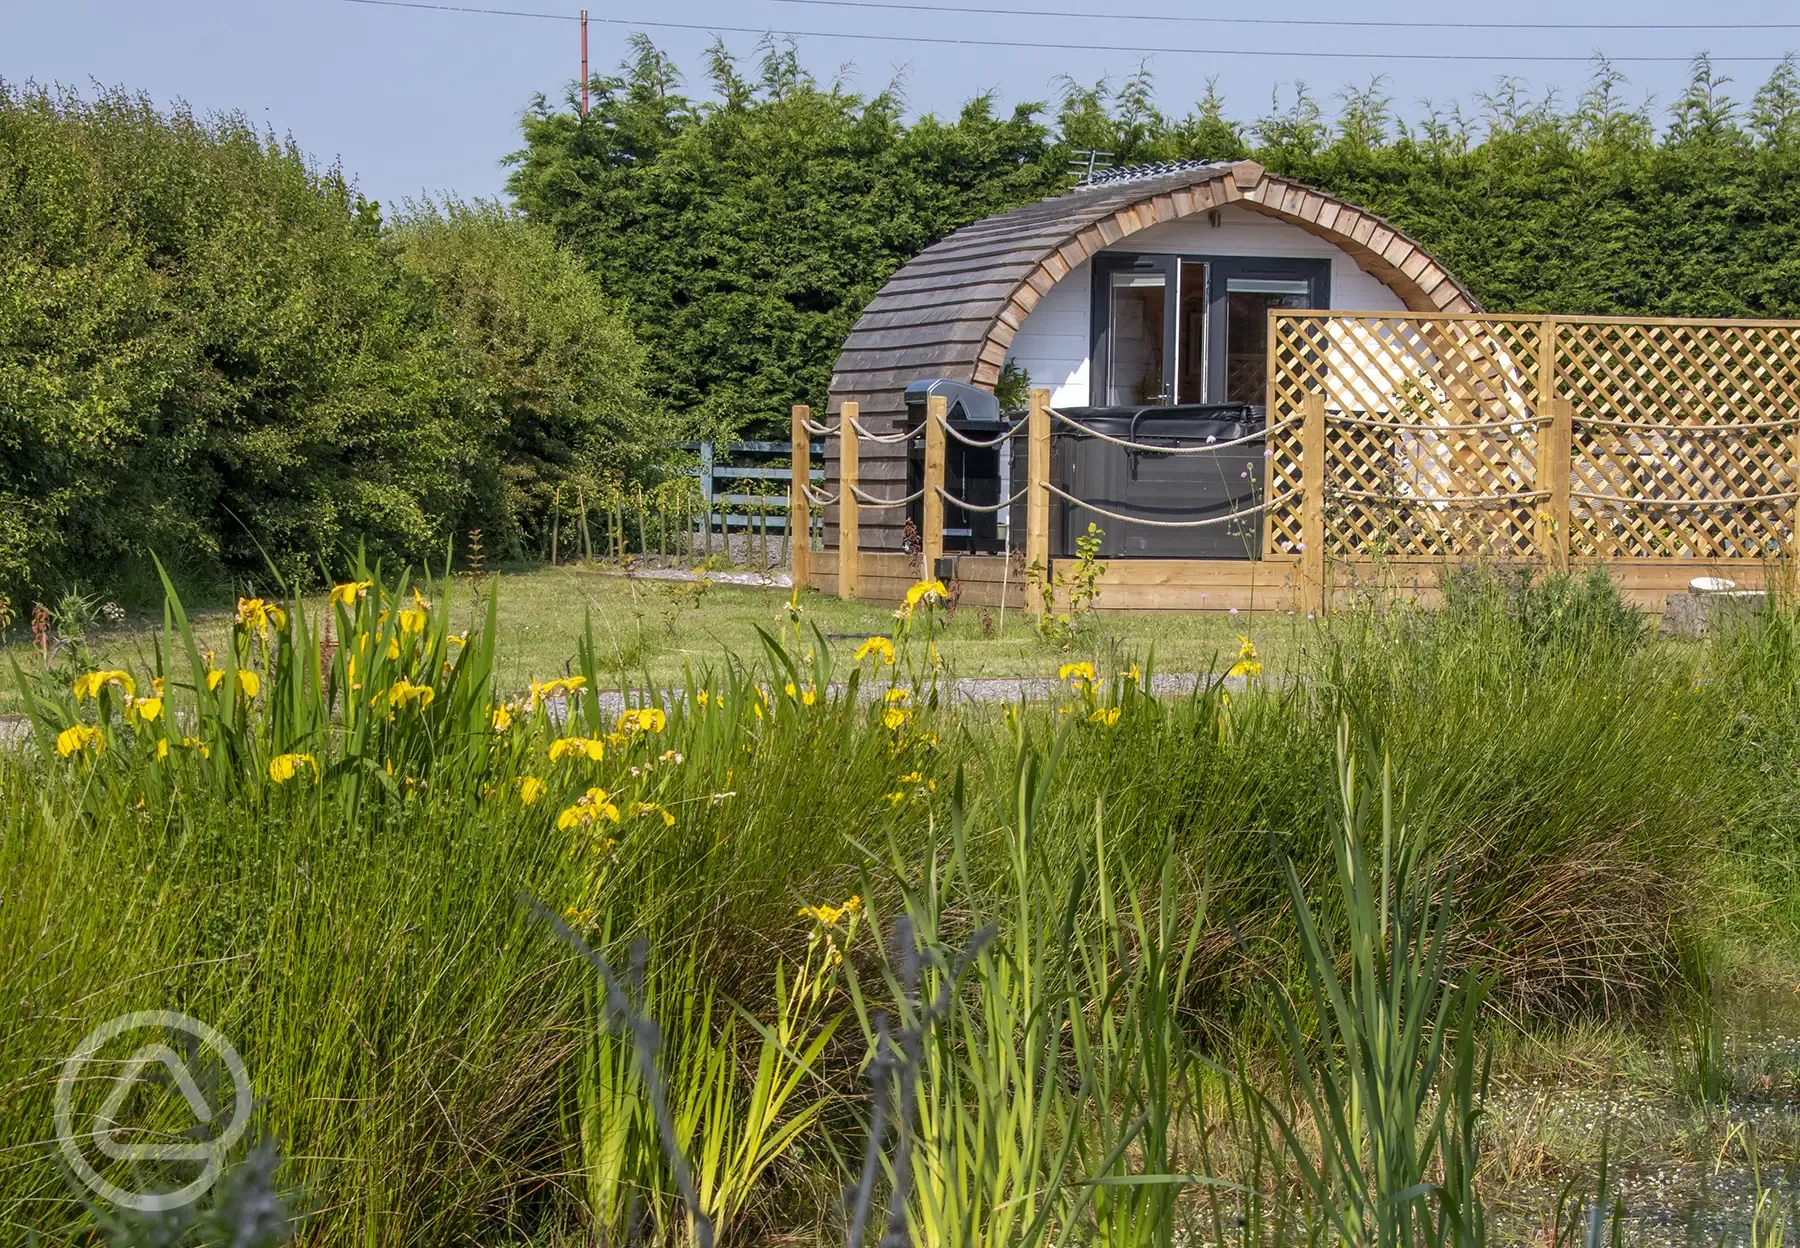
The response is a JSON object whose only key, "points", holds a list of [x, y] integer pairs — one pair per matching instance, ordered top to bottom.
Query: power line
{"points": [[1215, 20], [1059, 46]]}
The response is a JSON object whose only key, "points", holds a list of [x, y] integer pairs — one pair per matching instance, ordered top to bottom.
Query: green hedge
{"points": [[747, 233], [212, 349]]}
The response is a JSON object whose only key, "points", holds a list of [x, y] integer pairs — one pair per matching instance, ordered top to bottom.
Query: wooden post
{"points": [[937, 409], [1555, 463], [1037, 494], [1312, 504], [799, 506], [1552, 528], [849, 558]]}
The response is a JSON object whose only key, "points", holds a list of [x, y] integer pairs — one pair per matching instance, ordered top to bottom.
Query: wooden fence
{"points": [[1663, 449]]}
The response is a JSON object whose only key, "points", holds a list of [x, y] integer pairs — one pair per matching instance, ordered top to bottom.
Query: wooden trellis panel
{"points": [[1432, 432], [1684, 435]]}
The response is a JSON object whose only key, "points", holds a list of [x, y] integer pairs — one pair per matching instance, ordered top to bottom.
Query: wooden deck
{"points": [[1224, 585]]}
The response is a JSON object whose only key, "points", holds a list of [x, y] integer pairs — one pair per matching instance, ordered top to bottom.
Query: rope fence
{"points": [[1206, 448], [1256, 509]]}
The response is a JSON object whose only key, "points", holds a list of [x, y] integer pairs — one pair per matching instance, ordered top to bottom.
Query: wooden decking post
{"points": [[937, 409], [1556, 446], [1561, 450], [1037, 494], [1312, 504], [799, 523], [849, 560]]}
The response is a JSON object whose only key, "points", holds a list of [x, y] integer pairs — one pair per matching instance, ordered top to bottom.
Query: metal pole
{"points": [[584, 68], [799, 506]]}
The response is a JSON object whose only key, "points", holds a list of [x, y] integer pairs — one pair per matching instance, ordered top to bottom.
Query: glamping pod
{"points": [[1141, 290]]}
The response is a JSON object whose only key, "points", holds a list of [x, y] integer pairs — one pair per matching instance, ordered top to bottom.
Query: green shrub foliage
{"points": [[749, 232], [213, 349]]}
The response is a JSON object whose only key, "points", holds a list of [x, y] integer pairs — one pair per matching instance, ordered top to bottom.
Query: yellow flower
{"points": [[927, 592], [347, 593], [256, 615], [880, 646], [393, 651], [1248, 664], [1078, 674], [1133, 675], [213, 677], [249, 683], [89, 685], [569, 686], [403, 694], [897, 695], [703, 698], [147, 709], [1108, 715], [894, 718], [501, 719], [643, 719], [80, 737], [195, 743], [577, 747], [162, 748], [284, 767], [913, 777], [530, 789], [897, 796], [590, 808], [640, 809], [831, 915]]}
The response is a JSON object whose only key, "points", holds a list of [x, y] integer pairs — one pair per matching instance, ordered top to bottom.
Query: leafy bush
{"points": [[211, 348], [1569, 615]]}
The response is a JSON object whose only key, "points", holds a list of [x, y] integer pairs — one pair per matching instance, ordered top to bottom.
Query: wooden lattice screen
{"points": [[1470, 436]]}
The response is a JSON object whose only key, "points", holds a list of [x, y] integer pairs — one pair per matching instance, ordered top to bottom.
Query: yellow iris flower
{"points": [[347, 593], [256, 616], [878, 646], [90, 684], [402, 693], [642, 719], [77, 738], [590, 748], [284, 767], [592, 807]]}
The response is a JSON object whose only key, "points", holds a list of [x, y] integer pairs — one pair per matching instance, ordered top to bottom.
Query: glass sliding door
{"points": [[1247, 304], [1136, 308]]}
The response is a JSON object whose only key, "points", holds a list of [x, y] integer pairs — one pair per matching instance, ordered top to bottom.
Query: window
{"points": [[1247, 304], [1192, 329], [1135, 359]]}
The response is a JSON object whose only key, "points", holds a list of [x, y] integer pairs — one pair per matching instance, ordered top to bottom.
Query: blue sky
{"points": [[423, 101]]}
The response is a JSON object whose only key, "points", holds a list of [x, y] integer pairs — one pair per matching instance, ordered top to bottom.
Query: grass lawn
{"points": [[659, 627]]}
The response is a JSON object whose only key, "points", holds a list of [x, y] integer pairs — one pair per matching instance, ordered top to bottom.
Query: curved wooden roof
{"points": [[952, 310]]}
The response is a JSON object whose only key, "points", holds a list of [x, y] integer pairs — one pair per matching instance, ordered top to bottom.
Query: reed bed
{"points": [[1096, 968]]}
